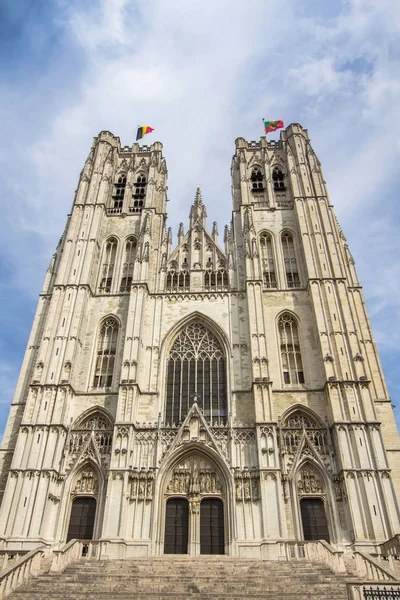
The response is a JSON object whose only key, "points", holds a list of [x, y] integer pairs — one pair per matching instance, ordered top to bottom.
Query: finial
{"points": [[198, 199], [215, 232], [181, 233], [226, 234]]}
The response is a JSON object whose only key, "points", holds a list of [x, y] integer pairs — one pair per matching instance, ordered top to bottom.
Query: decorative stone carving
{"points": [[244, 436], [194, 478], [309, 481], [87, 482], [141, 484], [247, 484], [338, 486]]}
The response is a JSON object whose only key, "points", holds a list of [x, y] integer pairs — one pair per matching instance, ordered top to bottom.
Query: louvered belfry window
{"points": [[196, 369]]}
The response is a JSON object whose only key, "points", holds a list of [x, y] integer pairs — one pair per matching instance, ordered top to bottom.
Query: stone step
{"points": [[172, 578]]}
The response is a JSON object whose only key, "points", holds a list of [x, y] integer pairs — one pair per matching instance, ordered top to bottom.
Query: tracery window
{"points": [[257, 179], [279, 179], [119, 193], [139, 194], [289, 256], [267, 260], [108, 264], [128, 265], [178, 281], [106, 351], [292, 366], [196, 367], [299, 420], [294, 427], [102, 429]]}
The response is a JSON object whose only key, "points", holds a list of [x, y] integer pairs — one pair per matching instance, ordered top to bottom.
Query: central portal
{"points": [[195, 497], [176, 526], [212, 539]]}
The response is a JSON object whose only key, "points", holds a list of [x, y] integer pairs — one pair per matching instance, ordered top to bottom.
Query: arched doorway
{"points": [[193, 516], [314, 521], [81, 522], [176, 526], [212, 537]]}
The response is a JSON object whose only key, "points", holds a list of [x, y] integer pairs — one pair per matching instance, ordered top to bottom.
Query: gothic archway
{"points": [[195, 476], [312, 506], [83, 518]]}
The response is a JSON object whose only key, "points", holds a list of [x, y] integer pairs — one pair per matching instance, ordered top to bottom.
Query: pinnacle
{"points": [[198, 199]]}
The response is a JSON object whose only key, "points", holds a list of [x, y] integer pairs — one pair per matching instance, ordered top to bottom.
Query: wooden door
{"points": [[81, 522], [315, 525], [176, 526], [212, 539]]}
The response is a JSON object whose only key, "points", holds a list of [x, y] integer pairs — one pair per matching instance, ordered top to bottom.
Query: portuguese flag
{"points": [[272, 125], [141, 132]]}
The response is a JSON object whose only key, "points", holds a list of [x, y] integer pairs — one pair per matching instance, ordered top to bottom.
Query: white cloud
{"points": [[318, 77]]}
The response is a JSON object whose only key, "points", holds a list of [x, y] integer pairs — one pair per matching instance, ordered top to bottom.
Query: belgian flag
{"points": [[141, 132]]}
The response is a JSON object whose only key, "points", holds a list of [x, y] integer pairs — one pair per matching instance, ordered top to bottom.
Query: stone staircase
{"points": [[180, 578]]}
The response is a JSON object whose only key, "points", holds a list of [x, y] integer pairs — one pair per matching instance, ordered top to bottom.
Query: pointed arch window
{"points": [[278, 179], [257, 183], [119, 193], [139, 194], [289, 257], [267, 260], [108, 265], [128, 265], [106, 352], [292, 365], [196, 367], [96, 423], [296, 425]]}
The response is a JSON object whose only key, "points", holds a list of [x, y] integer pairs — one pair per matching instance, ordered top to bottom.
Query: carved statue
{"points": [[238, 487]]}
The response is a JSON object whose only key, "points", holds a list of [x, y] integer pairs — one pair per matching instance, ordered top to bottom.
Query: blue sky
{"points": [[201, 73]]}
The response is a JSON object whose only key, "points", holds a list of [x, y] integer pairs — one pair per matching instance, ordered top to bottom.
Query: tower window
{"points": [[278, 179], [257, 183], [118, 193], [139, 194], [289, 256], [267, 260], [128, 266], [107, 269], [106, 351], [292, 366], [196, 369]]}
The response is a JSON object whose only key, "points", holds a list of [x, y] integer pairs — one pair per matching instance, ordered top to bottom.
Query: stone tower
{"points": [[205, 398]]}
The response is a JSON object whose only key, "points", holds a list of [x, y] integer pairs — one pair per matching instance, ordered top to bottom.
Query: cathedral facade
{"points": [[212, 398]]}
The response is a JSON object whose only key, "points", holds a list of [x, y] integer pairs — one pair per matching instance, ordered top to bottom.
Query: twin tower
{"points": [[223, 396]]}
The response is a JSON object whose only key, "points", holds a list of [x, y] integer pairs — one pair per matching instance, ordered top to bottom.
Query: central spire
{"points": [[198, 199], [198, 211]]}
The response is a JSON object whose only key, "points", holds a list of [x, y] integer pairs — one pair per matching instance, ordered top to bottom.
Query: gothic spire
{"points": [[198, 211]]}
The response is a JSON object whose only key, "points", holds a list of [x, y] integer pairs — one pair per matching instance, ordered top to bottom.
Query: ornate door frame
{"points": [[194, 475], [309, 481]]}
